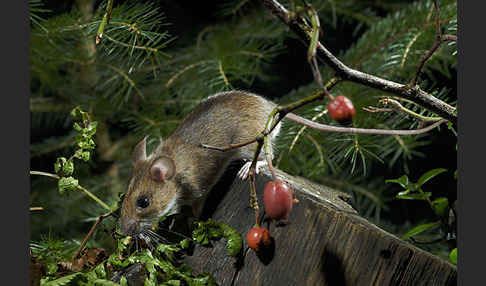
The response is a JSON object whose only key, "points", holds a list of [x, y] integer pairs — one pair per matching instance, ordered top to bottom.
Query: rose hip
{"points": [[341, 109], [278, 200], [258, 237]]}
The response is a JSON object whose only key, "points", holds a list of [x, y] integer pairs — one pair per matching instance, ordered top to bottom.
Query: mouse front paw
{"points": [[245, 170]]}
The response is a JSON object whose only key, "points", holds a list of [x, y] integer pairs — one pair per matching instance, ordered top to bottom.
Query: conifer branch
{"points": [[153, 50], [223, 75], [174, 77], [413, 93]]}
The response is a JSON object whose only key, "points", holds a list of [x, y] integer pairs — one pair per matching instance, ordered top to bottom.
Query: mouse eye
{"points": [[143, 202]]}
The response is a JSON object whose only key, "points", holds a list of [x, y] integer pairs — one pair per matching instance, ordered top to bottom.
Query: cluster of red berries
{"points": [[278, 200]]}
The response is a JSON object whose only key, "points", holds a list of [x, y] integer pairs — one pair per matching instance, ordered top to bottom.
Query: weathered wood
{"points": [[326, 243]]}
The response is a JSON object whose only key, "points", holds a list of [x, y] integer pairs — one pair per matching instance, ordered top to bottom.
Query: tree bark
{"points": [[325, 243]]}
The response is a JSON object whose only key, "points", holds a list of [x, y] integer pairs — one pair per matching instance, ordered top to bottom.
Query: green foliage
{"points": [[34, 11], [413, 191], [211, 229], [419, 229], [453, 256], [158, 262], [65, 280]]}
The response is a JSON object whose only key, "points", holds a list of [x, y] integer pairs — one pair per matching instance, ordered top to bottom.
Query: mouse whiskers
{"points": [[155, 236]]}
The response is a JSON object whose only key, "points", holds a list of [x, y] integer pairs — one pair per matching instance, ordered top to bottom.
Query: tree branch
{"points": [[435, 45], [414, 94]]}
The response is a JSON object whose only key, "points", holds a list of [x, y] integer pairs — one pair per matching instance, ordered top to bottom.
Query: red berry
{"points": [[341, 109], [277, 198], [258, 237]]}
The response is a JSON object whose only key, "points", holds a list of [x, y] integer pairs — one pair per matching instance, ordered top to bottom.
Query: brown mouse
{"points": [[181, 172]]}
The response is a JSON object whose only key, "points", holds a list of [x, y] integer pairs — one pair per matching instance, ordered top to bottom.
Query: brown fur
{"points": [[219, 120]]}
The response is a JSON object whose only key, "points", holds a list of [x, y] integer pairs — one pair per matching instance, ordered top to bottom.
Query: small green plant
{"points": [[64, 168], [440, 205], [211, 229], [453, 256], [159, 262]]}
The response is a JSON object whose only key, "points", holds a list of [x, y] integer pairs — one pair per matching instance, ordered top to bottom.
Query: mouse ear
{"points": [[140, 152], [162, 169]]}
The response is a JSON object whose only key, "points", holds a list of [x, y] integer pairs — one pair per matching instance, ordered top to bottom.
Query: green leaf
{"points": [[78, 113], [82, 155], [59, 163], [64, 167], [429, 175], [403, 181], [67, 184], [406, 192], [415, 196], [440, 206], [212, 229], [419, 229], [234, 242], [185, 243], [453, 256], [52, 268], [100, 271], [204, 279], [61, 281], [123, 281], [104, 282], [149, 282], [173, 283]]}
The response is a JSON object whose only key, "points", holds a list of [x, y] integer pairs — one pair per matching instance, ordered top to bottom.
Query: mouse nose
{"points": [[128, 227]]}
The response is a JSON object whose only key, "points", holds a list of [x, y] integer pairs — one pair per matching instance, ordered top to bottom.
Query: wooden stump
{"points": [[325, 243]]}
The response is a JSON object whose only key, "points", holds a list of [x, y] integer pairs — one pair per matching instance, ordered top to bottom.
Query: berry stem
{"points": [[253, 195]]}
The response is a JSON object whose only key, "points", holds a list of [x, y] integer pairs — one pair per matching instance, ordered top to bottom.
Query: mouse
{"points": [[180, 172]]}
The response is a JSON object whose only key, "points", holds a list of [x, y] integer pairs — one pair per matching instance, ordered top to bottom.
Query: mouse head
{"points": [[151, 191]]}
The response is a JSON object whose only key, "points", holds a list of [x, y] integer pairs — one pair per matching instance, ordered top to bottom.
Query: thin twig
{"points": [[448, 37], [435, 45], [223, 75], [174, 77], [329, 85], [414, 94], [399, 107], [301, 130], [352, 130], [45, 174], [253, 195], [95, 198], [90, 233]]}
